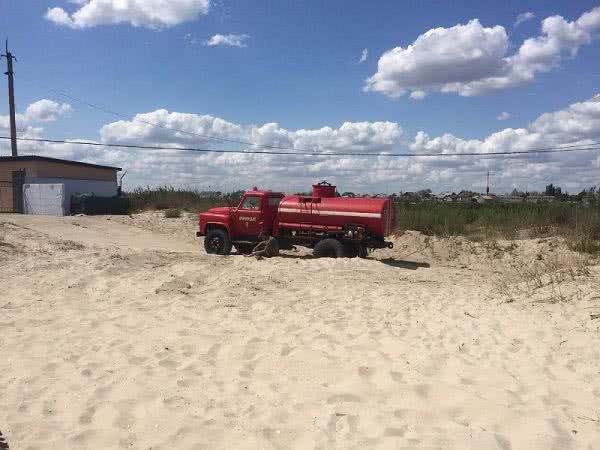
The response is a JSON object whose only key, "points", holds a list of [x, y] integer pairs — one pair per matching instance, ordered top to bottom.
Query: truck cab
{"points": [[239, 226]]}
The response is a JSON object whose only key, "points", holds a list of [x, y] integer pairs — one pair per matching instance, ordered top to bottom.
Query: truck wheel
{"points": [[217, 242], [329, 248], [244, 249], [350, 249], [363, 252]]}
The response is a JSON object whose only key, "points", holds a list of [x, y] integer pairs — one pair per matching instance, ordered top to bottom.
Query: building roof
{"points": [[55, 160]]}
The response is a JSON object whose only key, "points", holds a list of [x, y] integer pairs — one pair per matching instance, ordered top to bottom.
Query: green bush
{"points": [[167, 197], [91, 204]]}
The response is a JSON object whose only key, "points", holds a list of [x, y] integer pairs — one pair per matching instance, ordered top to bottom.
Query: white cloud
{"points": [[154, 14], [59, 16], [524, 17], [189, 37], [227, 40], [363, 56], [472, 59], [418, 95], [46, 111], [35, 114], [503, 116], [579, 122], [28, 124], [141, 130], [360, 136], [353, 173]]}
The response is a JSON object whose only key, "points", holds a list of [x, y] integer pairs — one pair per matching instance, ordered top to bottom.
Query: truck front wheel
{"points": [[217, 242], [329, 248]]}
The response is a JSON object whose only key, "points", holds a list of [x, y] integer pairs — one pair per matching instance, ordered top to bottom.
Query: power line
{"points": [[166, 127], [595, 146], [292, 150]]}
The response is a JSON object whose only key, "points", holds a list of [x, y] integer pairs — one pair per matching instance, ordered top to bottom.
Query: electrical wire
{"points": [[166, 127], [564, 149], [289, 150]]}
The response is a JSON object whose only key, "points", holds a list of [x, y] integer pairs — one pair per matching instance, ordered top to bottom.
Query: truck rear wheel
{"points": [[217, 242], [329, 248], [350, 249], [355, 249], [363, 251]]}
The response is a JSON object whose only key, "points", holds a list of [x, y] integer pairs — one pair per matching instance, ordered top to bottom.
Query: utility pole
{"points": [[11, 98], [487, 189]]}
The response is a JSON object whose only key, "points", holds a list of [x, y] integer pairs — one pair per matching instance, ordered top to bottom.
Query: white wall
{"points": [[69, 187], [100, 188], [47, 199]]}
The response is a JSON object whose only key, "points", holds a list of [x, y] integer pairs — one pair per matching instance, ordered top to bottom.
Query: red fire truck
{"points": [[332, 226]]}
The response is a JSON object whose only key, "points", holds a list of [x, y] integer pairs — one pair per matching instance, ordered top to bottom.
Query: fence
{"points": [[11, 193], [6, 197]]}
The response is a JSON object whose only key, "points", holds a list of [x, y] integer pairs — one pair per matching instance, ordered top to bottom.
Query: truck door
{"points": [[248, 220]]}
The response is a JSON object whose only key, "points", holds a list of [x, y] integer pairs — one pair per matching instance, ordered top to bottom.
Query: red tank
{"points": [[329, 213]]}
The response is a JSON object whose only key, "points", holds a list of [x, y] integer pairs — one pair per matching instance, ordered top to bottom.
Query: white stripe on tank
{"points": [[318, 212]]}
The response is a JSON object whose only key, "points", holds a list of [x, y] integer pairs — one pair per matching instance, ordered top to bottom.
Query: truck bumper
{"points": [[380, 244]]}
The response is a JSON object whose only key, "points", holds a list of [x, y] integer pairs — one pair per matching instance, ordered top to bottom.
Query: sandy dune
{"points": [[119, 333]]}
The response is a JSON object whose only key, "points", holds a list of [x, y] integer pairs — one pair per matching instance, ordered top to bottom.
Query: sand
{"points": [[119, 332]]}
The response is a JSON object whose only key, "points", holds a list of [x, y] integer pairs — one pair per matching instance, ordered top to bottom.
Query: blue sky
{"points": [[299, 68]]}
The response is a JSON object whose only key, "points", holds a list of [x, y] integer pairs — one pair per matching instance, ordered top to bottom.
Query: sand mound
{"points": [[118, 335]]}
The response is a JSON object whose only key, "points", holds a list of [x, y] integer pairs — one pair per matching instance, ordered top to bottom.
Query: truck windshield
{"points": [[251, 202]]}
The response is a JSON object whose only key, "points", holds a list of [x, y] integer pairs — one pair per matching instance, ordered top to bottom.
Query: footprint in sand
{"points": [[286, 350], [213, 353], [168, 363], [365, 372], [398, 377], [422, 390], [340, 398], [87, 416], [341, 425], [399, 432]]}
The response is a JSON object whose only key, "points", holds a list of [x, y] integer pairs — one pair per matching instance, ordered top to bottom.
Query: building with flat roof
{"points": [[39, 184]]}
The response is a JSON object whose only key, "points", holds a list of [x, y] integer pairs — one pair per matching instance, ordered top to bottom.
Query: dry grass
{"points": [[172, 213], [550, 278]]}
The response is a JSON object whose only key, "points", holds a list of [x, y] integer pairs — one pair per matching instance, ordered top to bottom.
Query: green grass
{"points": [[167, 197], [581, 226]]}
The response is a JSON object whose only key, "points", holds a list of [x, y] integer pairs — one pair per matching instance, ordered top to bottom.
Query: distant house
{"points": [[42, 185], [409, 196], [445, 196], [466, 196], [485, 198], [540, 198], [511, 199]]}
